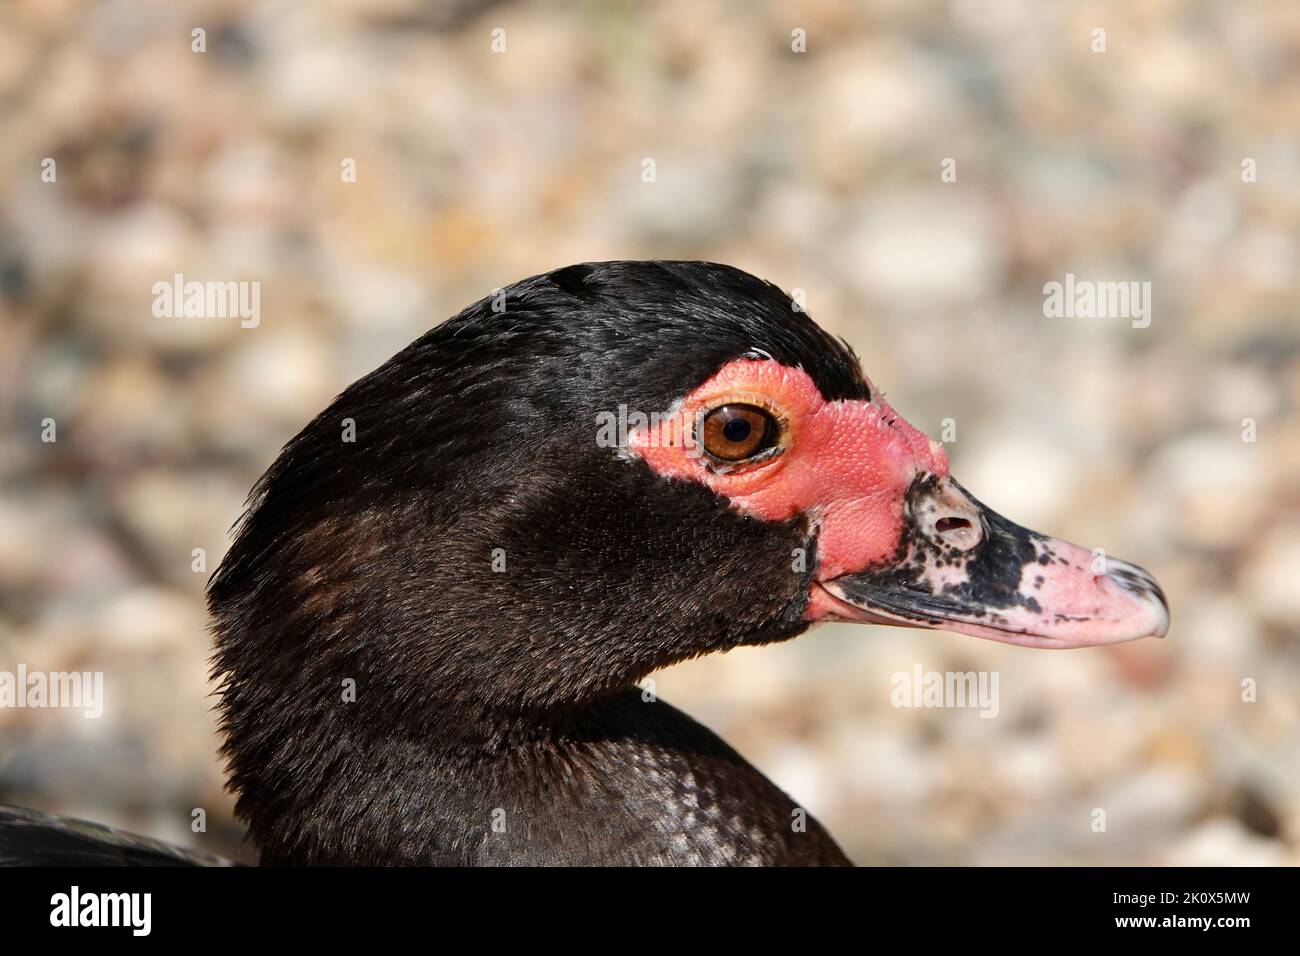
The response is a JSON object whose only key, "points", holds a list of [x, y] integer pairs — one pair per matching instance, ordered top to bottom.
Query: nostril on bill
{"points": [[956, 531]]}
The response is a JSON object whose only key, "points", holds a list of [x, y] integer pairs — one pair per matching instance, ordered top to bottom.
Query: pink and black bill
{"points": [[963, 567]]}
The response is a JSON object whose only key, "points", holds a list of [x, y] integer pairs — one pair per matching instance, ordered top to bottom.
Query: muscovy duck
{"points": [[431, 622]]}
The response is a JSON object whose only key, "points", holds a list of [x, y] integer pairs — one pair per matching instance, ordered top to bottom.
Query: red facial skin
{"points": [[847, 463]]}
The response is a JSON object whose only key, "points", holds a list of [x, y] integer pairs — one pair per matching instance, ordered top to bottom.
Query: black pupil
{"points": [[736, 430]]}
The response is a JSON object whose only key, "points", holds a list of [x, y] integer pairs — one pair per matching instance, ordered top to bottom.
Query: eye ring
{"points": [[738, 433]]}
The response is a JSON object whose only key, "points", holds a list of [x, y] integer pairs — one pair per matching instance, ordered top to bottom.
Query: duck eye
{"points": [[737, 432]]}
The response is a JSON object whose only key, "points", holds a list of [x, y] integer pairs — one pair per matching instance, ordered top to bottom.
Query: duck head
{"points": [[587, 476]]}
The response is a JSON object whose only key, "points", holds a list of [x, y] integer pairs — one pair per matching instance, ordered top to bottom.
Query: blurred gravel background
{"points": [[819, 171]]}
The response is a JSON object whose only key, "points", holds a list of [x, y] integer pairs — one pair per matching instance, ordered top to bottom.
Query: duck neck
{"points": [[625, 779]]}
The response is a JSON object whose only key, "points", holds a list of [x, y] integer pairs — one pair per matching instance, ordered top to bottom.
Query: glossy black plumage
{"points": [[493, 721]]}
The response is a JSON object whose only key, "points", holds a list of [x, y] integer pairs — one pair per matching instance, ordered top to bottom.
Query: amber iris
{"points": [[737, 432]]}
